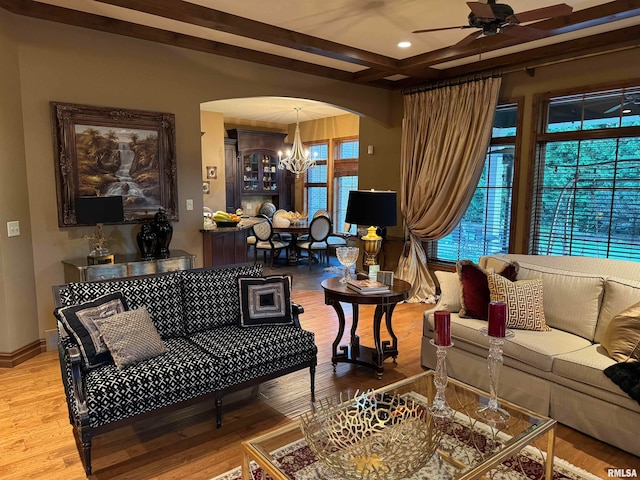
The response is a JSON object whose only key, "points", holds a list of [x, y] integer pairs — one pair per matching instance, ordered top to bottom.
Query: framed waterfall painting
{"points": [[103, 151]]}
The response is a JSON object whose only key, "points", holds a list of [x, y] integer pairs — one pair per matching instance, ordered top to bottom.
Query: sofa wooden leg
{"points": [[218, 412], [85, 451]]}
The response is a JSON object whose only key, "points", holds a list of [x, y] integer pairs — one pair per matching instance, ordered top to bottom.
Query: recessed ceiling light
{"points": [[404, 44], [626, 110]]}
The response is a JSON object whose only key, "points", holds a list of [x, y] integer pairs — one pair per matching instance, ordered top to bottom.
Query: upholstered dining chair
{"points": [[322, 213], [251, 239], [267, 241], [316, 242]]}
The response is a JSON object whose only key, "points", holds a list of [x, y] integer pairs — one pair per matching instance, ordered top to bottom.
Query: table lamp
{"points": [[375, 208], [98, 211]]}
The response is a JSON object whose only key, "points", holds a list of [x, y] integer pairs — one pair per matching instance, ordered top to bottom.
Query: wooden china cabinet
{"points": [[257, 171]]}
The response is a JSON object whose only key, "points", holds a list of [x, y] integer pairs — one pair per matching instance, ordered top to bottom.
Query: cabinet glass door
{"points": [[259, 173], [269, 173]]}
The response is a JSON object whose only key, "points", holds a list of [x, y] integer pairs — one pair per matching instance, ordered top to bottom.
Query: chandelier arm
{"points": [[297, 160]]}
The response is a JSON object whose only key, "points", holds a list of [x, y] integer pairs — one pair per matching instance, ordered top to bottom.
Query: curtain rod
{"points": [[474, 77]]}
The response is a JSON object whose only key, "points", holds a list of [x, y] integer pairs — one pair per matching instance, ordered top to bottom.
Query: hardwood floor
{"points": [[37, 442]]}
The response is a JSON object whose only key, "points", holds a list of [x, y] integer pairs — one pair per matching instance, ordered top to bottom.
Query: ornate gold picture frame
{"points": [[103, 151]]}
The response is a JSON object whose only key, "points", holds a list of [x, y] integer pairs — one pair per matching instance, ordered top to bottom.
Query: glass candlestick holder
{"points": [[439, 407], [492, 414]]}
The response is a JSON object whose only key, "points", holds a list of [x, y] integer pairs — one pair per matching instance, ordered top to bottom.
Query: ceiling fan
{"points": [[492, 18], [628, 100]]}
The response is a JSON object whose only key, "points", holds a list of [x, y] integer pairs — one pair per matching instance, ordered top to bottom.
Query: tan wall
{"points": [[68, 64], [212, 125], [347, 125], [17, 284]]}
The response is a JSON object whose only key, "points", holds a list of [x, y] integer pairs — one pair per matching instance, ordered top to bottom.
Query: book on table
{"points": [[367, 286]]}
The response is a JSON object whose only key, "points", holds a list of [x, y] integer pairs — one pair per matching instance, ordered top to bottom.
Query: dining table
{"points": [[301, 227]]}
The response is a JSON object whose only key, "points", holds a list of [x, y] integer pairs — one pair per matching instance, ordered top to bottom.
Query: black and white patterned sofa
{"points": [[208, 351]]}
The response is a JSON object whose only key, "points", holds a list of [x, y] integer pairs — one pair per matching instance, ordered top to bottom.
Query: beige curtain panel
{"points": [[445, 137]]}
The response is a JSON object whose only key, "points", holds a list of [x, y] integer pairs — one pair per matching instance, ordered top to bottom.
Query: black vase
{"points": [[164, 232], [147, 240]]}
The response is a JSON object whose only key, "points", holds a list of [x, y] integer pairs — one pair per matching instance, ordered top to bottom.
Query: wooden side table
{"points": [[373, 357]]}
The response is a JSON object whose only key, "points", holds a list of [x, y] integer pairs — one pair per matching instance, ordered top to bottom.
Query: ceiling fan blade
{"points": [[481, 10], [558, 10], [440, 29], [526, 33], [469, 38], [614, 108]]}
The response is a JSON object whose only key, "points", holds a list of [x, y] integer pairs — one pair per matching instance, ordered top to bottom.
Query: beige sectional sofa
{"points": [[557, 373]]}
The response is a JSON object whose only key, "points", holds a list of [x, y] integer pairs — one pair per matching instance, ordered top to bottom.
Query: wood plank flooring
{"points": [[36, 439]]}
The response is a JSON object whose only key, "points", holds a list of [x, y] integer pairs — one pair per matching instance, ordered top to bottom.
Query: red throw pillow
{"points": [[475, 296]]}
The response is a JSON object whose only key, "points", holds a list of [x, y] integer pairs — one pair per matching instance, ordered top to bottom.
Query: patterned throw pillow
{"points": [[474, 288], [265, 300], [524, 301], [80, 322], [131, 337]]}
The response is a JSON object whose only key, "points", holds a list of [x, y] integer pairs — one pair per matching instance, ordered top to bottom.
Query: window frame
{"points": [[541, 138], [336, 167]]}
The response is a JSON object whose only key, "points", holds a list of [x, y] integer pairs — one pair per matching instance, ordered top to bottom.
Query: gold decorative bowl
{"points": [[371, 436]]}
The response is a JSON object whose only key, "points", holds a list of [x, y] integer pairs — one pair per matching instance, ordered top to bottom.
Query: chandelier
{"points": [[298, 160]]}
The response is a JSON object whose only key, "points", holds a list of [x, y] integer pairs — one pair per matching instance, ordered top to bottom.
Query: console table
{"points": [[125, 265], [373, 357]]}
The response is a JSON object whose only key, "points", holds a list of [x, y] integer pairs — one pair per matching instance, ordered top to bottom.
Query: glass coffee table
{"points": [[468, 449]]}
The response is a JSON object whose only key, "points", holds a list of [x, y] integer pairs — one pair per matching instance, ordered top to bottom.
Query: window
{"points": [[338, 171], [346, 179], [316, 184], [586, 194], [485, 228]]}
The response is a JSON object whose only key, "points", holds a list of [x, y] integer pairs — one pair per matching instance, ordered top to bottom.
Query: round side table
{"points": [[373, 357]]}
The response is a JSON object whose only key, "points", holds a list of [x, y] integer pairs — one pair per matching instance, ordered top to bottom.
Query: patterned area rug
{"points": [[461, 442]]}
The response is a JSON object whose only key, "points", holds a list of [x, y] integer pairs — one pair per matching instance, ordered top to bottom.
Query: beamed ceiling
{"points": [[353, 40]]}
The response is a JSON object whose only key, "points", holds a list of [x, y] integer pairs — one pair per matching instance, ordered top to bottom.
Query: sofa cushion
{"points": [[449, 291], [161, 295], [618, 295], [211, 297], [474, 298], [524, 299], [265, 300], [571, 300], [80, 321], [130, 336], [621, 339], [527, 346], [235, 348], [586, 365], [115, 394]]}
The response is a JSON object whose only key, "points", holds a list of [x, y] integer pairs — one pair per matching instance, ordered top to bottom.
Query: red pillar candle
{"points": [[497, 319], [443, 328]]}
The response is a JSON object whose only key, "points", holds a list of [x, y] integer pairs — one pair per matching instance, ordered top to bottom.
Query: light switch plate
{"points": [[189, 204], [13, 229]]}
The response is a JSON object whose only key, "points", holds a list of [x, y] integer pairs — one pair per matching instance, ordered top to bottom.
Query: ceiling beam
{"points": [[44, 11], [589, 17], [225, 22], [624, 38]]}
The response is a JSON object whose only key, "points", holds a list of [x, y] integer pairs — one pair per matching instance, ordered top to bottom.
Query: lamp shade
{"points": [[372, 207], [95, 210]]}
